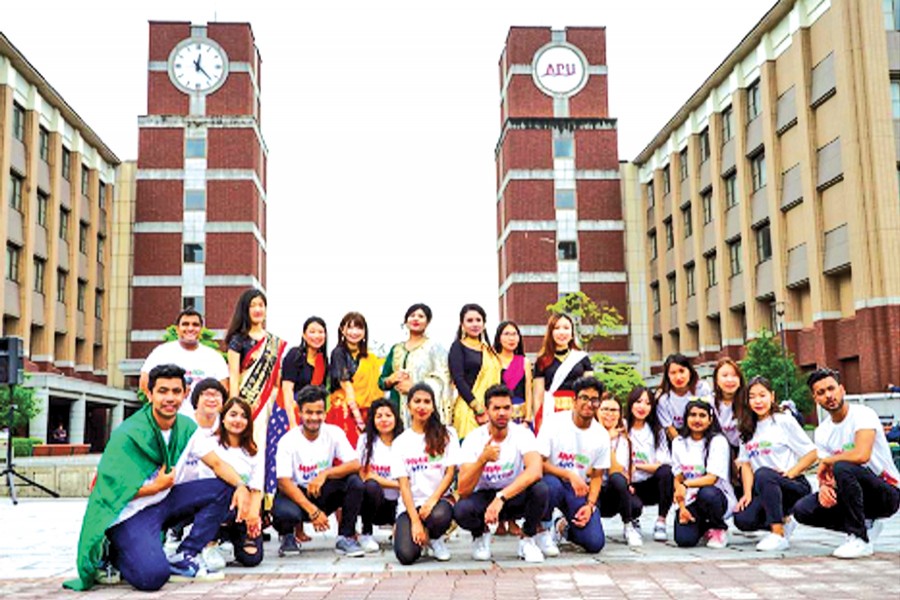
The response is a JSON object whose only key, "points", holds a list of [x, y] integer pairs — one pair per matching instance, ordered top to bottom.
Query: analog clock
{"points": [[198, 65]]}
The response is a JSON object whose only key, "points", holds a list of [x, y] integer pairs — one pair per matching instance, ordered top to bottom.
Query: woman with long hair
{"points": [[418, 359], [559, 363], [305, 364], [474, 367], [516, 373], [254, 374], [354, 377], [680, 384], [728, 391], [775, 452], [425, 459], [701, 462], [652, 479], [616, 496], [379, 505]]}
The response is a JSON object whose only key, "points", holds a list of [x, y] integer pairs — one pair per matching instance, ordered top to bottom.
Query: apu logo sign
{"points": [[559, 70]]}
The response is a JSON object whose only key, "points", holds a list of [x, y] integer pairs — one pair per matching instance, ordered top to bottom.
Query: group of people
{"points": [[476, 435]]}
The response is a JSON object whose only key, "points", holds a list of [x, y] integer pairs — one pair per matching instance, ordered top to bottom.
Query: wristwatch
{"points": [[500, 497]]}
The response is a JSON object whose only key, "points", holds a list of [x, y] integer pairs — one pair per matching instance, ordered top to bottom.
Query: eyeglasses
{"points": [[586, 398], [610, 409]]}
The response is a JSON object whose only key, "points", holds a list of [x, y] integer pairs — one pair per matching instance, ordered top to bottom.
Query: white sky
{"points": [[381, 120]]}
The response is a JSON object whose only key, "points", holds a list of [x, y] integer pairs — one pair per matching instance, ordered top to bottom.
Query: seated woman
{"points": [[773, 457], [616, 496], [379, 505]]}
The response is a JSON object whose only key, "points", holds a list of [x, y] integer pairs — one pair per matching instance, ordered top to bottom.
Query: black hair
{"points": [[418, 306], [190, 311], [462, 315], [355, 318], [240, 321], [302, 349], [520, 349], [682, 361], [168, 371], [820, 374], [588, 382], [209, 383], [498, 390], [311, 393], [748, 418], [652, 420], [713, 430], [372, 433], [437, 436], [245, 439]]}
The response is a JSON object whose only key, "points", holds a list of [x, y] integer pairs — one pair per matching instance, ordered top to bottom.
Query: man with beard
{"points": [[500, 479], [858, 481]]}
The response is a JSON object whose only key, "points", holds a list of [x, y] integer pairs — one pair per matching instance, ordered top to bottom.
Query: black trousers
{"points": [[658, 489], [346, 494], [861, 495], [774, 496], [616, 499], [531, 504], [376, 509], [708, 509], [436, 525], [236, 533]]}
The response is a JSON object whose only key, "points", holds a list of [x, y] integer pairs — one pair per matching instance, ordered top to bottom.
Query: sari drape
{"points": [[463, 412]]}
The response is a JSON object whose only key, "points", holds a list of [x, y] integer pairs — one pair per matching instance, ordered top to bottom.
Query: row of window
{"points": [[13, 273]]}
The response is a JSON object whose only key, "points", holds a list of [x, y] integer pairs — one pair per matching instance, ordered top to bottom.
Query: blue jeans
{"points": [[562, 496], [709, 509], [136, 546]]}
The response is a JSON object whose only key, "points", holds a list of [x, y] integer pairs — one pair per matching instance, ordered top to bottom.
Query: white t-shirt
{"points": [[200, 363], [670, 409], [729, 425], [834, 438], [778, 443], [571, 448], [645, 452], [301, 459], [687, 459], [381, 462], [190, 465], [249, 468], [425, 472], [497, 475], [136, 505]]}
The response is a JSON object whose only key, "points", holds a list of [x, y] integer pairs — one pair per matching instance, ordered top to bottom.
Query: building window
{"points": [[891, 11], [895, 99], [754, 101], [18, 122], [727, 125], [44, 144], [704, 145], [195, 148], [563, 148], [66, 164], [683, 164], [758, 171], [85, 181], [667, 182], [16, 183], [101, 198], [565, 198], [731, 198], [706, 199], [195, 200], [651, 201], [43, 202], [688, 222], [64, 224], [670, 235], [82, 237], [764, 243], [101, 248], [567, 251], [653, 252], [13, 253], [193, 253], [734, 256], [40, 266], [62, 279], [712, 279], [689, 280], [82, 292], [673, 293], [654, 295], [195, 302], [98, 304]]}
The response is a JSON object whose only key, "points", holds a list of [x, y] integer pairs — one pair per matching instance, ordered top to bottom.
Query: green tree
{"points": [[593, 322], [766, 357], [26, 407]]}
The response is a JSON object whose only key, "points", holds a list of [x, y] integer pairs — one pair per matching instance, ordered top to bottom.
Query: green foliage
{"points": [[591, 321], [766, 357], [619, 378], [26, 407], [24, 446]]}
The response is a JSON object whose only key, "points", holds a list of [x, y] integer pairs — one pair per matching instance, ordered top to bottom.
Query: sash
{"points": [[564, 369], [261, 371], [464, 413]]}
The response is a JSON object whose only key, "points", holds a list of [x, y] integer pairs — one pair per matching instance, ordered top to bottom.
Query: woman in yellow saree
{"points": [[474, 367], [254, 374]]}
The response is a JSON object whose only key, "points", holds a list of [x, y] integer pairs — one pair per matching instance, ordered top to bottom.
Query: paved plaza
{"points": [[37, 552]]}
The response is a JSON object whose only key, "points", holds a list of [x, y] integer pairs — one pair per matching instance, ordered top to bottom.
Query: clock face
{"points": [[198, 65]]}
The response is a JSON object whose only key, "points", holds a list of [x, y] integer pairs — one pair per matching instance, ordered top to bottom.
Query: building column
{"points": [[118, 415], [77, 420], [38, 425]]}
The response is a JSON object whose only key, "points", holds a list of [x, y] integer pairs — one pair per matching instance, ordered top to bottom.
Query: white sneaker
{"points": [[790, 524], [874, 527], [659, 531], [632, 536], [717, 538], [544, 541], [368, 543], [773, 543], [481, 547], [854, 547], [226, 549], [439, 550], [529, 551], [212, 558]]}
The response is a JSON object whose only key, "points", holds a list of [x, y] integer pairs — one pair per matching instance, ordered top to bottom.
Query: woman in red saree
{"points": [[254, 374]]}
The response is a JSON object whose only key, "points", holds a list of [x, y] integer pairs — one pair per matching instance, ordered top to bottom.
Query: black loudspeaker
{"points": [[11, 360]]}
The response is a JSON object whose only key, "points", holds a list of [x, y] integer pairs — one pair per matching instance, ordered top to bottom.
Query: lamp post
{"points": [[780, 309]]}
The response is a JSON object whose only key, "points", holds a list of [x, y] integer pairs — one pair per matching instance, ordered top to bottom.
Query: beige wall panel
{"points": [[821, 37], [829, 121], [834, 206], [795, 227]]}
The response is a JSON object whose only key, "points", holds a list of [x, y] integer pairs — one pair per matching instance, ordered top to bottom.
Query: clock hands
{"points": [[200, 69]]}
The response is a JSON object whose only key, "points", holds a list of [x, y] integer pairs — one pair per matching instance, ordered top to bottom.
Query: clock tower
{"points": [[200, 204]]}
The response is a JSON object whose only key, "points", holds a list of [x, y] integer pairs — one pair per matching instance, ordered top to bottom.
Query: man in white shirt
{"points": [[198, 361], [575, 449], [500, 479], [858, 481], [310, 487]]}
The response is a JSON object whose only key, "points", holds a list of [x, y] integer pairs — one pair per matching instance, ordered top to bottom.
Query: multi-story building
{"points": [[771, 197], [200, 198], [559, 205], [56, 206]]}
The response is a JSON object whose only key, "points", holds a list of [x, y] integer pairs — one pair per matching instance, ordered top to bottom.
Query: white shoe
{"points": [[790, 524], [874, 527], [659, 531], [632, 536], [717, 538], [544, 541], [368, 543], [773, 543], [481, 547], [854, 547], [226, 549], [439, 550], [529, 551], [212, 558]]}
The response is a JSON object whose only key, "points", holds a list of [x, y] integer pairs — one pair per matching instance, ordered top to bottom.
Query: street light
{"points": [[780, 309]]}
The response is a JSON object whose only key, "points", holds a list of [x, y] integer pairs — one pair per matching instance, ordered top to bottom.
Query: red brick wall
{"points": [[164, 36], [235, 38], [591, 41], [523, 42], [235, 97], [163, 98], [526, 100], [591, 101], [161, 148], [233, 149], [528, 149], [597, 149], [159, 200], [599, 200], [232, 201], [528, 201], [527, 251], [601, 251], [157, 254], [231, 254], [609, 294], [528, 302], [220, 303], [154, 308]]}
